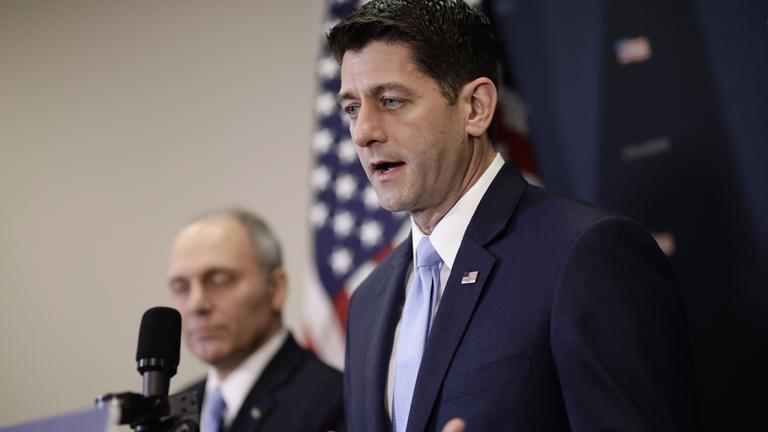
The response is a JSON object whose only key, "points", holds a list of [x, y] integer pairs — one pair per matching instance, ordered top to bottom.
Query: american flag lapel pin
{"points": [[469, 278]]}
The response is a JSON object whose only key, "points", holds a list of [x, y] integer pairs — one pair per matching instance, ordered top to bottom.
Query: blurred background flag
{"points": [[511, 130], [350, 232]]}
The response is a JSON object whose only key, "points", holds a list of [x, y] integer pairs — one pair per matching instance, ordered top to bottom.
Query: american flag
{"points": [[633, 50], [350, 232]]}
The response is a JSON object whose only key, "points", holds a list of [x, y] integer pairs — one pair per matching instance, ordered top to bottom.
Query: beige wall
{"points": [[119, 121]]}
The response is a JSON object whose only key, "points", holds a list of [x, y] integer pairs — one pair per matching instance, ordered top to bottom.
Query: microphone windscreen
{"points": [[160, 335]]}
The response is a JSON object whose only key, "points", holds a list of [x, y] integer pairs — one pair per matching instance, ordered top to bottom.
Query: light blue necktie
{"points": [[414, 328], [213, 415]]}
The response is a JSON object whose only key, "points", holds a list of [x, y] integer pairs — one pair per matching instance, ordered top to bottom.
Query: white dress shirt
{"points": [[446, 239], [238, 384]]}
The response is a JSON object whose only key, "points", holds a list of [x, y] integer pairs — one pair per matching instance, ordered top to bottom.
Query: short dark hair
{"points": [[449, 40]]}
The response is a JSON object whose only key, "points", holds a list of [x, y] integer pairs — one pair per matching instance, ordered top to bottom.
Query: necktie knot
{"points": [[426, 255]]}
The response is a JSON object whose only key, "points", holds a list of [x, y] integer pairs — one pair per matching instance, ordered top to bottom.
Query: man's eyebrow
{"points": [[377, 90], [343, 96]]}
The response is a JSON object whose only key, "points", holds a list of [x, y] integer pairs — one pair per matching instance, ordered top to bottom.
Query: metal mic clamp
{"points": [[175, 413]]}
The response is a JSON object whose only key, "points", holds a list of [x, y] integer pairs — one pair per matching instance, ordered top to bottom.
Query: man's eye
{"points": [[392, 102], [352, 110], [221, 278], [179, 287]]}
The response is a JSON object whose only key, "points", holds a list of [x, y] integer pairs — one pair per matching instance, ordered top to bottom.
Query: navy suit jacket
{"points": [[575, 322], [295, 393]]}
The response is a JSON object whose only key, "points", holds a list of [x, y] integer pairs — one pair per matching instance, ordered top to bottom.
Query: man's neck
{"points": [[428, 219], [224, 369]]}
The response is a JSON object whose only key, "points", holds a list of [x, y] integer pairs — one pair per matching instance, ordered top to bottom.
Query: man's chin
{"points": [[391, 202], [210, 354]]}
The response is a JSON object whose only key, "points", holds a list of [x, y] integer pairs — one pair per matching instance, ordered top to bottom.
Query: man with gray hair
{"points": [[227, 280]]}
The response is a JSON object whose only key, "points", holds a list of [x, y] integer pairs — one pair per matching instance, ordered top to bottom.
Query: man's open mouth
{"points": [[384, 167]]}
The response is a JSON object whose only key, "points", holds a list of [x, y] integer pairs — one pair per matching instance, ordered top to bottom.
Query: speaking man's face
{"points": [[410, 140], [229, 305]]}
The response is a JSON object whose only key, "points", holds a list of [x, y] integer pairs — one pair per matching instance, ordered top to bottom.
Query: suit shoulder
{"points": [[557, 206], [569, 217], [554, 225], [317, 367], [315, 375], [299, 383]]}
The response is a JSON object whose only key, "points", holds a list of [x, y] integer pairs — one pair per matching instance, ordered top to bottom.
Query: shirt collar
{"points": [[447, 236], [238, 384]]}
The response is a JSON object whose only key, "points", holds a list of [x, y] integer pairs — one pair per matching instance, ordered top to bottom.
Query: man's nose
{"points": [[368, 127], [198, 301]]}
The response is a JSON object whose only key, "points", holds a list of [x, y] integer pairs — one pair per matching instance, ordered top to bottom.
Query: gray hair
{"points": [[262, 239]]}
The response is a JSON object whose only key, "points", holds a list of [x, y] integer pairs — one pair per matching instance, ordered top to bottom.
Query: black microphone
{"points": [[157, 355]]}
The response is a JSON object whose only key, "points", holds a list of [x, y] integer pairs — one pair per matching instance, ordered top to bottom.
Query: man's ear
{"points": [[481, 96], [278, 283]]}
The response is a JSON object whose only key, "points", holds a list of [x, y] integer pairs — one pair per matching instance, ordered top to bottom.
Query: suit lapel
{"points": [[460, 300], [453, 316], [382, 336], [199, 389], [260, 402]]}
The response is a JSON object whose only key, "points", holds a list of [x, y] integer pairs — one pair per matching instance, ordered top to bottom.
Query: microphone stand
{"points": [[157, 356], [175, 413]]}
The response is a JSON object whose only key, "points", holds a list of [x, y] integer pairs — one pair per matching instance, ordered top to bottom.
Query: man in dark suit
{"points": [[227, 280], [509, 307]]}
